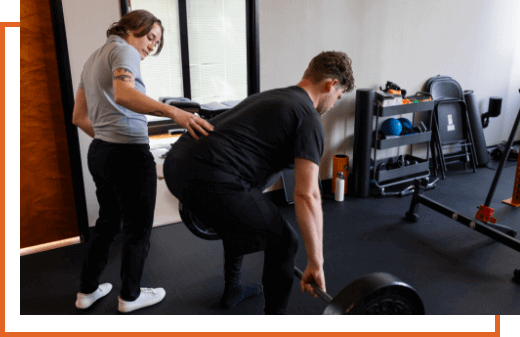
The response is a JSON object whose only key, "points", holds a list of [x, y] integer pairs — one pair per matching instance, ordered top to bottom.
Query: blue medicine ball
{"points": [[407, 125], [392, 127]]}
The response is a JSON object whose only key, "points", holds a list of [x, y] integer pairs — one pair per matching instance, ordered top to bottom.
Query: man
{"points": [[220, 179]]}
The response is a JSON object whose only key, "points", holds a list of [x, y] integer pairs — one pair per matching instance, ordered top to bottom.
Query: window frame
{"points": [[252, 45], [252, 50]]}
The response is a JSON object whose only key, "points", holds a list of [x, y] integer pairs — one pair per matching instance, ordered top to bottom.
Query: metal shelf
{"points": [[393, 110], [383, 144], [383, 178]]}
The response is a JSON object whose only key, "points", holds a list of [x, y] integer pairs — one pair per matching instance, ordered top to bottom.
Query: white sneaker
{"points": [[147, 298], [86, 300]]}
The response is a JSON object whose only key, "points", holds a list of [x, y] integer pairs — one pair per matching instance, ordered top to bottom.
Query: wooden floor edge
{"points": [[49, 246]]}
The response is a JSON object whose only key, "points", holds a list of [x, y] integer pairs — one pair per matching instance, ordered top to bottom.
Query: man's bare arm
{"points": [[309, 215]]}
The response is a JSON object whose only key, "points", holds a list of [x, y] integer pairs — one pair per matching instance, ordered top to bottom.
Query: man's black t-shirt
{"points": [[259, 137]]}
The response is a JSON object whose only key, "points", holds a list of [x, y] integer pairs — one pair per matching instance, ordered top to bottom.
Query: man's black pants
{"points": [[126, 187], [248, 222]]}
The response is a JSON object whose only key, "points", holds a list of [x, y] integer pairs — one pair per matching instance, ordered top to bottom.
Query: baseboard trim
{"points": [[50, 245]]}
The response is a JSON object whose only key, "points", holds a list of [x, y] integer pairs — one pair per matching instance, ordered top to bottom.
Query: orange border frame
{"points": [[4, 25], [294, 334]]}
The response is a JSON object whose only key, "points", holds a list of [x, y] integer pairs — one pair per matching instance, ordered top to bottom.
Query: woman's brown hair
{"points": [[140, 22]]}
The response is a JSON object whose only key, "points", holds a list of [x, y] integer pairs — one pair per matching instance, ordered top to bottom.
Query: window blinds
{"points": [[217, 48], [217, 51], [162, 75]]}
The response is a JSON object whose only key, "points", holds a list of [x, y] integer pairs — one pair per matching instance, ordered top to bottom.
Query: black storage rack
{"points": [[384, 178]]}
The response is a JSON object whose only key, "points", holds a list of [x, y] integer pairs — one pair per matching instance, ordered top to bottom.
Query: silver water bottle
{"points": [[339, 193]]}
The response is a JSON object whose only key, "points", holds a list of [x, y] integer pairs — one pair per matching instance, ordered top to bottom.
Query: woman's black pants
{"points": [[125, 176]]}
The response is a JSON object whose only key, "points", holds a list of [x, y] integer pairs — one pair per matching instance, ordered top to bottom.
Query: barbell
{"points": [[373, 294]]}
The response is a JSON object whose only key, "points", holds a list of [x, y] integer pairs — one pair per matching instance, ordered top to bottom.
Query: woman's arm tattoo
{"points": [[124, 75]]}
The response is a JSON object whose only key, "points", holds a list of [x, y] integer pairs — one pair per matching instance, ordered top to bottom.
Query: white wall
{"points": [[86, 23], [405, 41]]}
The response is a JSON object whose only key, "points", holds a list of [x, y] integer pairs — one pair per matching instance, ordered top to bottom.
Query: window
{"points": [[217, 47], [210, 51], [162, 75]]}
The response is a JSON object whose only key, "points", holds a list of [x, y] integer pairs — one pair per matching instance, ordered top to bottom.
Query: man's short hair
{"points": [[331, 64]]}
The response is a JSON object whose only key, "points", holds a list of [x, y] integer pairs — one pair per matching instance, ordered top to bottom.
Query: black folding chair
{"points": [[450, 125], [453, 131]]}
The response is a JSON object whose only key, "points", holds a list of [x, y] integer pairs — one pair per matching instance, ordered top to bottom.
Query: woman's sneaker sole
{"points": [[147, 298], [84, 301]]}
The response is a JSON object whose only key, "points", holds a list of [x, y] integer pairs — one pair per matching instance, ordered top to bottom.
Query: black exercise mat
{"points": [[455, 270]]}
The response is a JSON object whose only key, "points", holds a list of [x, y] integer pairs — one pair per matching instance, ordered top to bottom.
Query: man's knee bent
{"points": [[287, 243]]}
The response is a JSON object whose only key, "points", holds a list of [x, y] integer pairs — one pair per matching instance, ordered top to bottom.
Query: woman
{"points": [[111, 104]]}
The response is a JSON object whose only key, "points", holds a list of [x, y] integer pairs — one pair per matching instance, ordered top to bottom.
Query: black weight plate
{"points": [[195, 225], [376, 294]]}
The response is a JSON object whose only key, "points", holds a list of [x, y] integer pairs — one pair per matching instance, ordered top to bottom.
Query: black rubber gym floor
{"points": [[456, 271]]}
